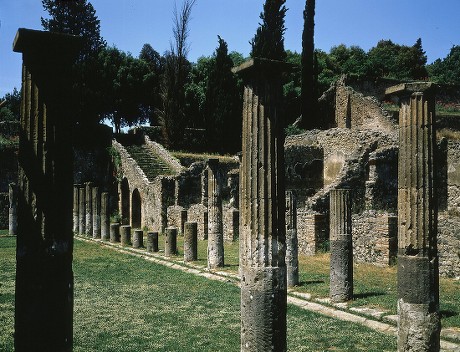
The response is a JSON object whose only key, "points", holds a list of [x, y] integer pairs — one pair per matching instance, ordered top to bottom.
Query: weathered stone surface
{"points": [[76, 208], [89, 209], [13, 210], [81, 210], [262, 210], [96, 212], [105, 217], [215, 221], [114, 232], [125, 235], [138, 239], [170, 241], [190, 241], [152, 242], [292, 249], [44, 277], [341, 278], [418, 283]]}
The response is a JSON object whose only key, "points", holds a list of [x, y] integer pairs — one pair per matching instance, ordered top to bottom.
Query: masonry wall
{"points": [[449, 244]]}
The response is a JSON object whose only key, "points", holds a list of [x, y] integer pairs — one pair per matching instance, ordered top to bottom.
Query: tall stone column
{"points": [[76, 208], [13, 209], [89, 209], [262, 209], [81, 210], [96, 212], [105, 216], [215, 221], [190, 241], [292, 246], [418, 271], [44, 277], [341, 278]]}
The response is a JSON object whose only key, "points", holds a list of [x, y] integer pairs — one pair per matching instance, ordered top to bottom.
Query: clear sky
{"points": [[128, 24]]}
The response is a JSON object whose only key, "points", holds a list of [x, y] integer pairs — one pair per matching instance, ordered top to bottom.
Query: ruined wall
{"points": [[356, 111], [9, 167], [312, 232], [375, 238], [449, 244]]}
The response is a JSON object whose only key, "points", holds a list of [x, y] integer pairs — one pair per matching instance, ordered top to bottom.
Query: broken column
{"points": [[96, 202], [76, 206], [89, 209], [262, 209], [13, 210], [81, 210], [105, 217], [215, 221], [114, 232], [125, 235], [138, 239], [170, 241], [190, 241], [152, 242], [292, 247], [44, 276], [418, 277], [341, 278]]}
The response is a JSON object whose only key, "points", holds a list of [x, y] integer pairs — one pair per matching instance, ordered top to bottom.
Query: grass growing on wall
{"points": [[124, 303]]}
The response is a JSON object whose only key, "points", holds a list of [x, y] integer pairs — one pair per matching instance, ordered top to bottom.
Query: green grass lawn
{"points": [[124, 303]]}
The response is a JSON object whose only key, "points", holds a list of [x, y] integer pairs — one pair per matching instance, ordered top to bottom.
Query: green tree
{"points": [[76, 18], [269, 39], [351, 61], [177, 67], [447, 70], [309, 99], [223, 103], [10, 106]]}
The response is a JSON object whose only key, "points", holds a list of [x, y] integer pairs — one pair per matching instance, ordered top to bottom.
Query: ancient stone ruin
{"points": [[44, 278]]}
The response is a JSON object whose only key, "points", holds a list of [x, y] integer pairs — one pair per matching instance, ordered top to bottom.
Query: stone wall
{"points": [[9, 167], [312, 232], [375, 238], [449, 244]]}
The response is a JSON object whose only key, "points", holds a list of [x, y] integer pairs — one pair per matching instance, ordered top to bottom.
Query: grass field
{"points": [[124, 303]]}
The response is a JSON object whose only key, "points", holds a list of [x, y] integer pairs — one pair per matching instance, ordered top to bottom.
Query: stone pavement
{"points": [[373, 319]]}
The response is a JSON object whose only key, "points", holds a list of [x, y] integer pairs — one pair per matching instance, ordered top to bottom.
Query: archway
{"points": [[124, 193], [136, 208]]}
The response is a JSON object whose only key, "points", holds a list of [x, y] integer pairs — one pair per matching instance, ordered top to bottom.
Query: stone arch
{"points": [[124, 201], [136, 208]]}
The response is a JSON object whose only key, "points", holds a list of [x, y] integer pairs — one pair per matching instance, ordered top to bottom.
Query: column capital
{"points": [[407, 89]]}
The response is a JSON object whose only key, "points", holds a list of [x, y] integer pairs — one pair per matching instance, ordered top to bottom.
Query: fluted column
{"points": [[76, 208], [13, 209], [89, 209], [262, 209], [81, 210], [96, 212], [105, 216], [215, 221], [292, 247], [418, 271], [44, 276], [341, 278]]}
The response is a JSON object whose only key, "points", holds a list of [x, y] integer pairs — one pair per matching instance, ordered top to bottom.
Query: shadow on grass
{"points": [[310, 282], [367, 295], [447, 313]]}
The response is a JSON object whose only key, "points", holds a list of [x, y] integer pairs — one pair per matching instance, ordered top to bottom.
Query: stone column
{"points": [[76, 208], [13, 209], [89, 209], [262, 209], [81, 210], [96, 212], [105, 217], [183, 220], [215, 224], [114, 232], [125, 235], [138, 239], [170, 241], [190, 241], [152, 242], [292, 247], [418, 272], [44, 276], [341, 278]]}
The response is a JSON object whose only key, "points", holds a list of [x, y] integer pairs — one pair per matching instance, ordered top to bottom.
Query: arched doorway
{"points": [[124, 192], [136, 208]]}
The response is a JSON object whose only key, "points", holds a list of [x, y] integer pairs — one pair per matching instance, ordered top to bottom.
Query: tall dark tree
{"points": [[77, 18], [269, 39], [419, 70], [447, 70], [175, 77], [308, 94], [223, 104]]}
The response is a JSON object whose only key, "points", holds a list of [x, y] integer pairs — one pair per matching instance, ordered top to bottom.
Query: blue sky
{"points": [[128, 24]]}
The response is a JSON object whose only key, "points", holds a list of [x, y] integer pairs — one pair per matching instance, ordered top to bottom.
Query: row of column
{"points": [[91, 215]]}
